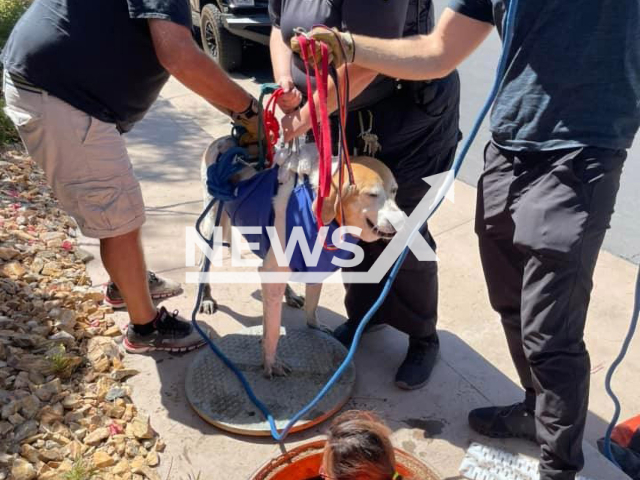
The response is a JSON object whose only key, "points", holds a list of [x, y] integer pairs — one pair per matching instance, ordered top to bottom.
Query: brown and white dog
{"points": [[369, 205]]}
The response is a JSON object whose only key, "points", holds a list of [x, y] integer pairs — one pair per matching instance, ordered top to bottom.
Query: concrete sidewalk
{"points": [[475, 369]]}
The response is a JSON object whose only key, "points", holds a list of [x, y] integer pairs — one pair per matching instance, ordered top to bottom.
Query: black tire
{"points": [[220, 44]]}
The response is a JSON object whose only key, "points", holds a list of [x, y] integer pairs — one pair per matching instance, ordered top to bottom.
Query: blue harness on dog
{"points": [[252, 206]]}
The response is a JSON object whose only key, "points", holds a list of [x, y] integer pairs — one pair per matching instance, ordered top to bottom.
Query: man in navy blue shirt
{"points": [[79, 73], [566, 113]]}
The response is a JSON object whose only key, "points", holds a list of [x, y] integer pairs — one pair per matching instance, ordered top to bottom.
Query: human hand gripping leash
{"points": [[341, 46]]}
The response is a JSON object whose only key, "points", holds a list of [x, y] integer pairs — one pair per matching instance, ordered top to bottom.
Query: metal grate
{"points": [[217, 395]]}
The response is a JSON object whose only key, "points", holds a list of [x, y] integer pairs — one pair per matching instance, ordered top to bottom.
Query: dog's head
{"points": [[369, 204]]}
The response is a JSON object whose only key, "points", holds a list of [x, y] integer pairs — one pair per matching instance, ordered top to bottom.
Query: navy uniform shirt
{"points": [[376, 18], [96, 55], [573, 76]]}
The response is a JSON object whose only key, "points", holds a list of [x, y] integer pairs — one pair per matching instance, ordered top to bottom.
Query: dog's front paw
{"points": [[292, 299], [209, 307], [277, 369]]}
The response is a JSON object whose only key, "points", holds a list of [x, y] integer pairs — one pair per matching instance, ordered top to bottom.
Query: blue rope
{"points": [[219, 173], [205, 268], [612, 369], [282, 435]]}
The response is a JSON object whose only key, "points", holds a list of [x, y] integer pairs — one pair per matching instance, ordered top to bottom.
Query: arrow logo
{"points": [[408, 234]]}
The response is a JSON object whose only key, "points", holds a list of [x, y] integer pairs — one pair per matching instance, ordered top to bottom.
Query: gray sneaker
{"points": [[159, 288], [172, 334]]}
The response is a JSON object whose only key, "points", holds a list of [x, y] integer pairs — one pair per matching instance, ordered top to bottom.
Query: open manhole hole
{"points": [[218, 397], [303, 463]]}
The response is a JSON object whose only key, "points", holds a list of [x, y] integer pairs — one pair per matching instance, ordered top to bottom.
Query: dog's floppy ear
{"points": [[331, 203]]}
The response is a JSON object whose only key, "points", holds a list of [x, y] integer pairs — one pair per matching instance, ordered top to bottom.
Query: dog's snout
{"points": [[391, 217]]}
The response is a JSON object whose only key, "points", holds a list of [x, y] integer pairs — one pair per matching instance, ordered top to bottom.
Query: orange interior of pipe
{"points": [[303, 463], [303, 469]]}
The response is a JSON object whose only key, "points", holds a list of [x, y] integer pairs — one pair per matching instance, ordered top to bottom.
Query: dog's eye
{"points": [[373, 194]]}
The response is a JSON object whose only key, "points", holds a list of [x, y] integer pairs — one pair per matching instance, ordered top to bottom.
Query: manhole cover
{"points": [[218, 397]]}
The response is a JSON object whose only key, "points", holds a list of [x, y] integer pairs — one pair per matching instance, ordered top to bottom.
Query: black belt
{"points": [[22, 83]]}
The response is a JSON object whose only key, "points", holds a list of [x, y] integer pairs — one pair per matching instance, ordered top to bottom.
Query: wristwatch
{"points": [[248, 113]]}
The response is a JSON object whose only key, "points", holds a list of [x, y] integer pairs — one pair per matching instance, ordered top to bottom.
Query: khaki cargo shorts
{"points": [[85, 161]]}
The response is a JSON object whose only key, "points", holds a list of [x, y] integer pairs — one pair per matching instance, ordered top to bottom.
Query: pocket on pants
{"points": [[24, 120], [82, 123], [94, 203], [492, 207], [103, 209], [550, 217]]}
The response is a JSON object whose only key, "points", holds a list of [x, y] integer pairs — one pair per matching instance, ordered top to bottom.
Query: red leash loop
{"points": [[322, 73], [271, 125], [320, 126]]}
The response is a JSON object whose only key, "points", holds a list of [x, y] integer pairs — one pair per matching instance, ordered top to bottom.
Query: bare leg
{"points": [[123, 258], [272, 293], [312, 298], [271, 321]]}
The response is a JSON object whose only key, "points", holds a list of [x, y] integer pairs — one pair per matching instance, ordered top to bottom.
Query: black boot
{"points": [[421, 357], [513, 421]]}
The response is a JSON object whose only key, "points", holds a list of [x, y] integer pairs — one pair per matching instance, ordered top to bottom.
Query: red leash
{"points": [[271, 125], [320, 126]]}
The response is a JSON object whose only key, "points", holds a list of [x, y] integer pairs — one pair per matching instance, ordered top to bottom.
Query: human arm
{"points": [[383, 19], [181, 57], [419, 57], [424, 57], [281, 60], [299, 122]]}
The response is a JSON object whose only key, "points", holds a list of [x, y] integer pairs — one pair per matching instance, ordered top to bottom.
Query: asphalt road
{"points": [[477, 74]]}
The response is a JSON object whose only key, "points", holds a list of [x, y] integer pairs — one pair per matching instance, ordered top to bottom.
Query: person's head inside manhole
{"points": [[359, 447]]}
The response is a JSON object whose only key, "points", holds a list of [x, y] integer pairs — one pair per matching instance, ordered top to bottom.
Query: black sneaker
{"points": [[159, 288], [171, 333], [421, 357], [513, 421]]}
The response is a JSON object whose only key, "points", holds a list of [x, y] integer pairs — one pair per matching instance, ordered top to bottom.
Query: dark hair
{"points": [[358, 447]]}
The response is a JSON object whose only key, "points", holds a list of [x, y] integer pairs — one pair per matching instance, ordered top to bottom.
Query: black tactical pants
{"points": [[419, 136], [541, 218]]}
